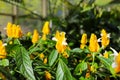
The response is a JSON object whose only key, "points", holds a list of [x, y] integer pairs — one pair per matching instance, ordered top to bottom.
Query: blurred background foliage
{"points": [[72, 16]]}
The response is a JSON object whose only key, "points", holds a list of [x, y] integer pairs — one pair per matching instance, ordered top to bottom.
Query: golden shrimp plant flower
{"points": [[45, 30], [14, 31], [35, 36], [105, 38], [83, 40], [61, 41], [93, 44], [2, 50], [116, 61], [48, 75]]}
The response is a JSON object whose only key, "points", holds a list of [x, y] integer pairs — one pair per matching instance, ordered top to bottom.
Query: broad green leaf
{"points": [[102, 2], [76, 50], [52, 57], [105, 61], [4, 62], [24, 64], [108, 64], [81, 66], [63, 72]]}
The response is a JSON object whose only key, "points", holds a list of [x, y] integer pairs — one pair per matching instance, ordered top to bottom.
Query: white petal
{"points": [[108, 35], [54, 39], [99, 40], [64, 43], [5, 44], [115, 53], [114, 65]]}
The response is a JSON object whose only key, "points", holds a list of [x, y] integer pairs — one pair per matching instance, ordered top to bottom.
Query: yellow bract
{"points": [[45, 30], [14, 31], [35, 36], [44, 36], [105, 38], [61, 41], [83, 41], [93, 44], [2, 50], [105, 54], [65, 55], [41, 56], [45, 60], [117, 61], [48, 75]]}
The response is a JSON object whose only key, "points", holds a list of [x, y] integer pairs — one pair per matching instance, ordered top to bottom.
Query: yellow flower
{"points": [[9, 29], [46, 29], [14, 31], [28, 34], [35, 36], [44, 36], [105, 38], [61, 41], [83, 41], [93, 44], [2, 50], [65, 54], [105, 54], [41, 56], [45, 60], [117, 63], [92, 68], [48, 75], [87, 75]]}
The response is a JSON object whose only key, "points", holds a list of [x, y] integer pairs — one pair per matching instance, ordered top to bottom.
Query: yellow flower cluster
{"points": [[45, 30], [14, 31], [35, 36], [105, 38], [61, 41], [83, 41], [93, 45], [2, 51], [117, 62], [48, 75]]}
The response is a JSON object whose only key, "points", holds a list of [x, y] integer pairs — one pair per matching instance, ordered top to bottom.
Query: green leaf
{"points": [[102, 2], [33, 50], [76, 50], [52, 58], [105, 61], [4, 62], [24, 64], [108, 64], [81, 66], [63, 72]]}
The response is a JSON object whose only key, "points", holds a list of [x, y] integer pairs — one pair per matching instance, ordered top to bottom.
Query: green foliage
{"points": [[52, 58], [29, 61], [4, 62], [24, 64], [63, 73]]}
